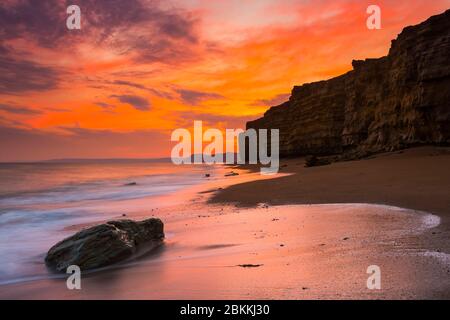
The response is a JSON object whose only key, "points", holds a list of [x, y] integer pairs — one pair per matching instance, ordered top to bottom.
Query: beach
{"points": [[417, 178], [307, 233]]}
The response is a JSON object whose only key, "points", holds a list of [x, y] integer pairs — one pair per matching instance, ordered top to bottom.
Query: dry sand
{"points": [[296, 248]]}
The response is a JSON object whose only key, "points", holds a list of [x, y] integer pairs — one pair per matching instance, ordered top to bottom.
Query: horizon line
{"points": [[61, 160]]}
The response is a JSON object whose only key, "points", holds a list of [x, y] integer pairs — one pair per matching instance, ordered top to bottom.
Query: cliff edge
{"points": [[384, 104]]}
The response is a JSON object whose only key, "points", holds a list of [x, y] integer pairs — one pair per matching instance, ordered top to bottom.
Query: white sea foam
{"points": [[38, 202], [430, 221], [441, 256]]}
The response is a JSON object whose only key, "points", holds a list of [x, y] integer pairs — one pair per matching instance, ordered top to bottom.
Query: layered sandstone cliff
{"points": [[384, 104]]}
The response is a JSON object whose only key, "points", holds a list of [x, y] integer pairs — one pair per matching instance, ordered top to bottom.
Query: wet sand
{"points": [[416, 178], [292, 247]]}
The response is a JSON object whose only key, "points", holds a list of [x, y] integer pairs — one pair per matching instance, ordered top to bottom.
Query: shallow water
{"points": [[39, 201], [303, 251]]}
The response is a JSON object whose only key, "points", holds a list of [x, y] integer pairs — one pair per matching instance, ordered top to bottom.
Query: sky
{"points": [[139, 69]]}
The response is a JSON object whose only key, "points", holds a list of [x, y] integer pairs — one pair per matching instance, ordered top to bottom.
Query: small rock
{"points": [[313, 161], [250, 265]]}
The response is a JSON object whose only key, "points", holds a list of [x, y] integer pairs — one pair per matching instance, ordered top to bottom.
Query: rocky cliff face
{"points": [[384, 104]]}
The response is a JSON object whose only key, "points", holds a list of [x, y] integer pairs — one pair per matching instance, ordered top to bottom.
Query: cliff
{"points": [[385, 104]]}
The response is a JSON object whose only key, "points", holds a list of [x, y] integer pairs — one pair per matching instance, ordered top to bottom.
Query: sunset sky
{"points": [[138, 69]]}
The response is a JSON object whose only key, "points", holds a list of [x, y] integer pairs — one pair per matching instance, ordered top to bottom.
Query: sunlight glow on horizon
{"points": [[110, 92]]}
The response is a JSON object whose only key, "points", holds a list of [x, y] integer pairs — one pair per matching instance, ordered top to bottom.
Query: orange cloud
{"points": [[145, 67]]}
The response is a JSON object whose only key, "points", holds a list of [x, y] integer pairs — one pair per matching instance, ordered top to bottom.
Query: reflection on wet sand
{"points": [[296, 252]]}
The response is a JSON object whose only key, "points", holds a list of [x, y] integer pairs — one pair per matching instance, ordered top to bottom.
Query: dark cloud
{"points": [[42, 21], [177, 26], [139, 27], [3, 50], [135, 74], [20, 76], [130, 84], [158, 93], [192, 97], [275, 101], [136, 102], [106, 106], [15, 109], [8, 122], [25, 144]]}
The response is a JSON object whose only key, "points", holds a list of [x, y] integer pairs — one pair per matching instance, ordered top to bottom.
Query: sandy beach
{"points": [[127, 128], [416, 178], [305, 234]]}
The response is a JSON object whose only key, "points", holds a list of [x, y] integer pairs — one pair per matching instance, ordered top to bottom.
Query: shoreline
{"points": [[416, 179], [300, 251], [296, 252]]}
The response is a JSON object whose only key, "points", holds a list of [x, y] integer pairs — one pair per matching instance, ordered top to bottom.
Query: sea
{"points": [[40, 201]]}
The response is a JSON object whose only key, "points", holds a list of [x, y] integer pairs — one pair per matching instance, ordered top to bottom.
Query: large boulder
{"points": [[106, 244]]}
